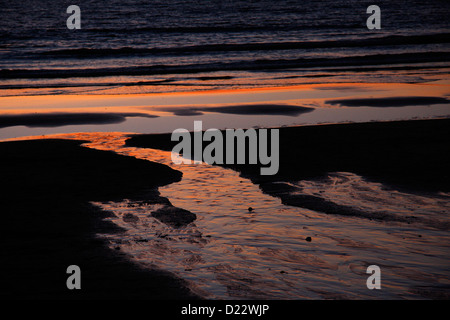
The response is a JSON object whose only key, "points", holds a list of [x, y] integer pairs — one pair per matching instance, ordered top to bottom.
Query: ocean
{"points": [[141, 46]]}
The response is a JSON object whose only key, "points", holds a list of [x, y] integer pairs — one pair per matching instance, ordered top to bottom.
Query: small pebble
{"points": [[250, 209], [308, 239]]}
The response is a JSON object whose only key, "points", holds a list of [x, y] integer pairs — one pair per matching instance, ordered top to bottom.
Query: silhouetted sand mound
{"points": [[49, 224]]}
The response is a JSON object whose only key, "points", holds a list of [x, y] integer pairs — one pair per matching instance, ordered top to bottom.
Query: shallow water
{"points": [[163, 113], [231, 253]]}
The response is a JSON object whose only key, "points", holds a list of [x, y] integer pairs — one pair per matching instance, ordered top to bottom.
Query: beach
{"points": [[357, 126], [411, 155], [95, 208]]}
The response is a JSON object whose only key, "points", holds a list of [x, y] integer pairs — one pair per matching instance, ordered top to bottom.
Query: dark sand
{"points": [[389, 102], [252, 109], [65, 119], [404, 155], [48, 223]]}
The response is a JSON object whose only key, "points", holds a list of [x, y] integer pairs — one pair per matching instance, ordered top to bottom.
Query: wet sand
{"points": [[276, 106], [403, 155], [49, 224]]}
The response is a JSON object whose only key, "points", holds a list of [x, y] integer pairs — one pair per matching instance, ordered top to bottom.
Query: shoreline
{"points": [[245, 108], [386, 135], [410, 156], [50, 223]]}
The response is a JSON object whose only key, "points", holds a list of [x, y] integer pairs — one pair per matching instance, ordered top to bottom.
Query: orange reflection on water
{"points": [[289, 94], [229, 252]]}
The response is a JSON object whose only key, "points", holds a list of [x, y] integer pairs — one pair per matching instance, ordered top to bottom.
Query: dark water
{"points": [[147, 46]]}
